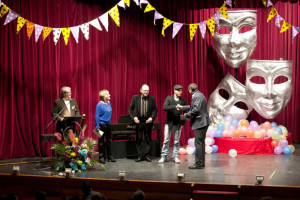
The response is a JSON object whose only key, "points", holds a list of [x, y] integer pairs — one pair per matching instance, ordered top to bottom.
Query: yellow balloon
{"points": [[292, 147]]}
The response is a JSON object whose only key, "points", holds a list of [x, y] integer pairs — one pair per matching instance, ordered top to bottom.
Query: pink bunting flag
{"points": [[229, 3], [269, 4], [157, 15], [10, 17], [216, 17], [104, 20], [278, 20], [176, 27], [202, 27], [38, 30], [295, 31], [75, 32]]}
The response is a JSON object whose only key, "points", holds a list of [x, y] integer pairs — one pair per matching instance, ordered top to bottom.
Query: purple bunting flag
{"points": [[229, 3], [269, 4], [157, 15], [10, 17], [216, 17], [278, 20], [176, 27], [202, 27], [38, 30], [295, 31]]}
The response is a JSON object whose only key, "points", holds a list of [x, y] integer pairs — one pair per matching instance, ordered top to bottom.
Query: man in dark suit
{"points": [[65, 106], [143, 111], [198, 114]]}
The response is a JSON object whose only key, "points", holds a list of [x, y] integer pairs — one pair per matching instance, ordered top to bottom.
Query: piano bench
{"points": [[123, 135]]}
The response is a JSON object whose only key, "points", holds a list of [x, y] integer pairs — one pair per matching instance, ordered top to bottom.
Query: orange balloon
{"points": [[244, 123], [267, 125], [236, 133], [250, 133]]}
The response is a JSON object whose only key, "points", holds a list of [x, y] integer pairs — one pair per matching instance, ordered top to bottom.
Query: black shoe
{"points": [[111, 159], [138, 159], [148, 159], [101, 160], [196, 166]]}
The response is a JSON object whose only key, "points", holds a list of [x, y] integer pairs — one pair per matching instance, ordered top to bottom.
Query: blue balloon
{"points": [[234, 122], [273, 124], [220, 126], [260, 126], [279, 130], [219, 133], [215, 148], [194, 150], [287, 151]]}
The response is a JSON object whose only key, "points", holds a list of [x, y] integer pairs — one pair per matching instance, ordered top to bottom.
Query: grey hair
{"points": [[193, 87], [64, 90]]}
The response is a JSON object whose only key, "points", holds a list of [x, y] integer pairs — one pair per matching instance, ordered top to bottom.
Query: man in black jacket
{"points": [[143, 111]]}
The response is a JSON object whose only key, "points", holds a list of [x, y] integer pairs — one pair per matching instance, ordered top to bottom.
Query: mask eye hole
{"points": [[245, 29], [223, 30], [280, 79], [257, 80], [223, 93], [241, 105]]}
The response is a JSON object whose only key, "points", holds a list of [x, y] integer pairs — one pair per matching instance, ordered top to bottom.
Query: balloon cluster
{"points": [[210, 146], [189, 149]]}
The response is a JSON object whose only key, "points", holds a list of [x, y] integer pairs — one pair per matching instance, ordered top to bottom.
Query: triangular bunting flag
{"points": [[127, 2], [137, 2], [143, 2], [264, 2], [1, 3], [229, 3], [122, 4], [269, 4], [149, 8], [4, 10], [223, 11], [114, 13], [272, 14], [157, 15], [10, 17], [216, 17], [104, 20], [278, 20], [20, 23], [95, 23], [166, 24], [211, 25], [285, 26], [30, 27], [176, 27], [202, 27], [193, 29], [85, 30], [38, 31], [295, 31], [46, 32], [75, 32], [56, 34], [66, 34]]}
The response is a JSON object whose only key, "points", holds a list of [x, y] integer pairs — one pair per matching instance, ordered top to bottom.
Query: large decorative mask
{"points": [[238, 45], [269, 86], [233, 103]]}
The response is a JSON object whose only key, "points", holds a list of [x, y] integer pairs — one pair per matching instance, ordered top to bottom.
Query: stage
{"points": [[279, 171]]}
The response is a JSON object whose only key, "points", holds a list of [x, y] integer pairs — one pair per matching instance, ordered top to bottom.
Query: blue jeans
{"points": [[168, 132]]}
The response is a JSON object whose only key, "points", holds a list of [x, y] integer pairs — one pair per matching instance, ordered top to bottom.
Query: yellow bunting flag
{"points": [[127, 2], [264, 2], [149, 8], [4, 10], [223, 11], [114, 13], [272, 14], [167, 22], [20, 24], [211, 25], [285, 26], [30, 27], [193, 29], [46, 32], [66, 34]]}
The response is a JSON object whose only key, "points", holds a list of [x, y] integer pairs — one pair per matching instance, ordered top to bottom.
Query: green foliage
{"points": [[59, 148]]}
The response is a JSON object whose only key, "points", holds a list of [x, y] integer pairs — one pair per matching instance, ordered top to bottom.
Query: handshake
{"points": [[179, 107]]}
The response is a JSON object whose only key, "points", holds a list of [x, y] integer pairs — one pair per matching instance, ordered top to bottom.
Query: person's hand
{"points": [[179, 107], [62, 119], [136, 120], [149, 120]]}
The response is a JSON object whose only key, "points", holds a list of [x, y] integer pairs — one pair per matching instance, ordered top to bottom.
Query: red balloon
{"points": [[274, 143]]}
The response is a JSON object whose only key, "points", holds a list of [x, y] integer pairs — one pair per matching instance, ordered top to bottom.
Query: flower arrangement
{"points": [[73, 152]]}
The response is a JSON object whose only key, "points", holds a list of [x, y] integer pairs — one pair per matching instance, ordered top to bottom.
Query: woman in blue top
{"points": [[102, 122]]}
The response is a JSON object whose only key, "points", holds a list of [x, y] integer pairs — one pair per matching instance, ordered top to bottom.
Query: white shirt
{"points": [[67, 102]]}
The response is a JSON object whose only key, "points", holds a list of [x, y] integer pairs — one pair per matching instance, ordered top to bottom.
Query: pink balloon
{"points": [[244, 130], [263, 132]]}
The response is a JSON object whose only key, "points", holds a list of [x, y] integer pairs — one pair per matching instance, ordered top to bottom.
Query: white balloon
{"points": [[208, 141], [208, 149], [189, 150], [232, 153]]}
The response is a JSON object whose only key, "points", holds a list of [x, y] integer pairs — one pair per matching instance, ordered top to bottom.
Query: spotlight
{"points": [[15, 170], [68, 172], [122, 175], [180, 177], [259, 179]]}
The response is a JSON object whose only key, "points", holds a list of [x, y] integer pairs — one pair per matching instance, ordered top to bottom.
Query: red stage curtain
{"points": [[120, 60]]}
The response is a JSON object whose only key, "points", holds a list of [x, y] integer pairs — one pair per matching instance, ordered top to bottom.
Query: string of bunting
{"points": [[284, 26]]}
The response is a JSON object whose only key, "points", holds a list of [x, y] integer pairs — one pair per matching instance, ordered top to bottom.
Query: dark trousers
{"points": [[200, 135], [105, 146], [143, 147]]}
